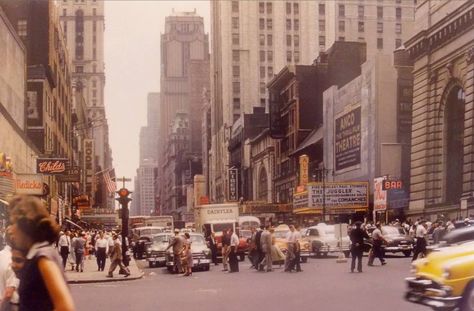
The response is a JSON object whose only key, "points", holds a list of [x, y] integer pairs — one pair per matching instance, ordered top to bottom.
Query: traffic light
{"points": [[123, 196]]}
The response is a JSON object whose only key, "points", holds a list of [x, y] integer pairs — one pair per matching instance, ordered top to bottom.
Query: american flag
{"points": [[109, 178]]}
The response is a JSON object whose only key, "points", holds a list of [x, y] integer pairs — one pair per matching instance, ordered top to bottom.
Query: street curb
{"points": [[108, 280]]}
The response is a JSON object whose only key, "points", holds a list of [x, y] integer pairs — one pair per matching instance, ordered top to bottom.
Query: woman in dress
{"points": [[188, 254], [42, 282]]}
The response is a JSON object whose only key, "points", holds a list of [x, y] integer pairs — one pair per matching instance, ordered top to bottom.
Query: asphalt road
{"points": [[323, 285]]}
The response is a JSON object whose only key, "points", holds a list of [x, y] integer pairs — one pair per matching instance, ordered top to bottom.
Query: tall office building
{"points": [[83, 26], [253, 40], [184, 76], [146, 176]]}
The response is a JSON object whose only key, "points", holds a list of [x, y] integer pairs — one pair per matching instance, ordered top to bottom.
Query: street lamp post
{"points": [[123, 199]]}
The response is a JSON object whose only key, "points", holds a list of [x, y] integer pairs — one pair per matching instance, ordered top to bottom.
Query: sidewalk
{"points": [[91, 275]]}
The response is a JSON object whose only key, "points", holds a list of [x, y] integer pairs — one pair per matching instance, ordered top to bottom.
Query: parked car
{"points": [[457, 236], [141, 239], [322, 240], [280, 241], [156, 252], [201, 254], [444, 280]]}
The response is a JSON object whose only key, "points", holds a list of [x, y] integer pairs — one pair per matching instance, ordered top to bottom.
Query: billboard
{"points": [[347, 139], [89, 165], [304, 169], [72, 174], [233, 185], [339, 195], [380, 195]]}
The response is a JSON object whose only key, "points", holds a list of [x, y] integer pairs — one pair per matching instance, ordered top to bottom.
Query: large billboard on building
{"points": [[347, 139], [339, 195], [380, 195]]}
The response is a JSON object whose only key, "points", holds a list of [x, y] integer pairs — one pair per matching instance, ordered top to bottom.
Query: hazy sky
{"points": [[132, 68]]}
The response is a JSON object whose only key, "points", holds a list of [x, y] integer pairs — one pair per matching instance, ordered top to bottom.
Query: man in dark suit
{"points": [[357, 236], [211, 240], [258, 244]]}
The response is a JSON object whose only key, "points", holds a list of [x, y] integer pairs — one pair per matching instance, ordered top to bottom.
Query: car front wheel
{"points": [[468, 298]]}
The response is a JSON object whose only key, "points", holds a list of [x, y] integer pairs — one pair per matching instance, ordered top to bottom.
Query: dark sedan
{"points": [[398, 241]]}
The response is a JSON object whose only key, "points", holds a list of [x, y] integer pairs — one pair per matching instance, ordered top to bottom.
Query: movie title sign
{"points": [[347, 136], [51, 166], [233, 185]]}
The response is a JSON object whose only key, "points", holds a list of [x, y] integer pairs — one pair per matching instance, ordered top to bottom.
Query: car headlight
{"points": [[206, 252]]}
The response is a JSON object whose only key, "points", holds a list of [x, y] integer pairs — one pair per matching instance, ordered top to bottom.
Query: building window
{"points": [[235, 6], [261, 7], [269, 8], [288, 8], [296, 8], [322, 9], [342, 10], [94, 11], [360, 11], [64, 12], [380, 12], [398, 13], [79, 19], [235, 23], [262, 23], [269, 24], [288, 24], [322, 25], [94, 26], [342, 26], [361, 27], [379, 27], [22, 28], [398, 28], [342, 38], [94, 39], [235, 39], [361, 39], [262, 40], [269, 40], [288, 40], [322, 40], [296, 41], [379, 43], [398, 43], [94, 53], [235, 56], [262, 56], [270, 56], [289, 56], [297, 56], [94, 68], [79, 69], [236, 71], [270, 71], [262, 72], [94, 83], [236, 87], [262, 88], [94, 93], [94, 102], [236, 103]]}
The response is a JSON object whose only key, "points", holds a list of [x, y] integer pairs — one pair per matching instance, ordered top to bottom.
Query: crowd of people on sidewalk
{"points": [[75, 246]]}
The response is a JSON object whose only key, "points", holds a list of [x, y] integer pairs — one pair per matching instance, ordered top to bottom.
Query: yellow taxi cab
{"points": [[280, 241], [445, 279]]}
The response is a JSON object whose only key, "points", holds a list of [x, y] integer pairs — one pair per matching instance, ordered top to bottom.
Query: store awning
{"points": [[313, 138], [307, 211]]}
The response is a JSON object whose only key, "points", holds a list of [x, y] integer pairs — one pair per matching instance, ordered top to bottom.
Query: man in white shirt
{"points": [[420, 235], [291, 239], [377, 241], [64, 244], [234, 244], [102, 249], [8, 280]]}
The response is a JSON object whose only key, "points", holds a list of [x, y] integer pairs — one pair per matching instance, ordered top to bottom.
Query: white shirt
{"points": [[420, 231], [377, 234], [291, 237], [64, 240], [234, 240], [110, 241], [102, 243], [7, 276]]}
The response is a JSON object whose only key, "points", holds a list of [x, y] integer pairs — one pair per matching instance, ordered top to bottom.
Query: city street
{"points": [[324, 285]]}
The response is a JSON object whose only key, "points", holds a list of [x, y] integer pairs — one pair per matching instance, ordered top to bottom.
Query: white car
{"points": [[324, 241]]}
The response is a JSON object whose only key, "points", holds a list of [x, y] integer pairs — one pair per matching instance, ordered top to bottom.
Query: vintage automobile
{"points": [[454, 237], [141, 239], [323, 240], [280, 241], [397, 241], [156, 251], [201, 254], [444, 280]]}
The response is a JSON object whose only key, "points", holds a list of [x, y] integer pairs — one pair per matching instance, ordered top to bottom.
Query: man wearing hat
{"points": [[420, 235], [357, 236], [177, 243]]}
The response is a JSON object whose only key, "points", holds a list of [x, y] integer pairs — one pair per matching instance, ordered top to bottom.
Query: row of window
{"points": [[361, 11], [361, 26], [322, 42]]}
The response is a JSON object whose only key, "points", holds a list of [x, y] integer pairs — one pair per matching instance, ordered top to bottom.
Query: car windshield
{"points": [[329, 230], [149, 231], [392, 231], [245, 233], [281, 234], [161, 238], [197, 239]]}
